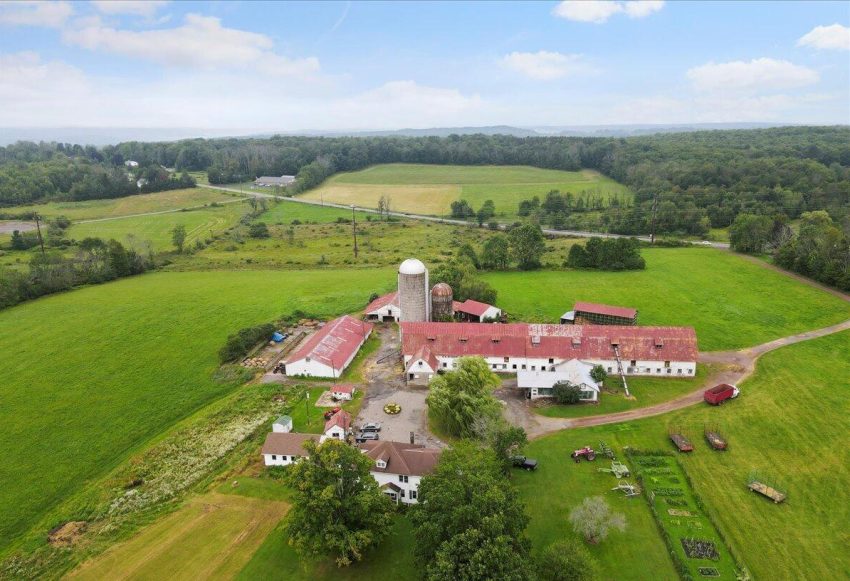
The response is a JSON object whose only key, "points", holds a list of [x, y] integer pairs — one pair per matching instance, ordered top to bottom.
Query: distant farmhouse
{"points": [[131, 163], [272, 181]]}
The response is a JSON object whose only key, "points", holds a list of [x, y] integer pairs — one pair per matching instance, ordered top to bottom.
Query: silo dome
{"points": [[411, 266], [441, 289]]}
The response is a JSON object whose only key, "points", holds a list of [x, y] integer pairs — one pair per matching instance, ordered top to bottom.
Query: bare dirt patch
{"points": [[7, 227], [67, 534]]}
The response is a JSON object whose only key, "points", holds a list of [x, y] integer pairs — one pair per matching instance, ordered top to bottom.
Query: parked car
{"points": [[720, 393], [371, 427], [364, 436], [524, 463]]}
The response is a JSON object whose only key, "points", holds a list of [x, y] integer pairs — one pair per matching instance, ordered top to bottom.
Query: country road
{"points": [[570, 233]]}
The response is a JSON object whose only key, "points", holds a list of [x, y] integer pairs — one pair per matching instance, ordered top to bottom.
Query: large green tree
{"points": [[750, 233], [527, 245], [497, 253], [460, 274], [461, 397], [337, 508], [469, 518], [566, 561]]}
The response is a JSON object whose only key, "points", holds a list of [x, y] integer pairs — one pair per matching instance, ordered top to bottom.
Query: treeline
{"points": [[820, 249], [607, 254], [94, 262]]}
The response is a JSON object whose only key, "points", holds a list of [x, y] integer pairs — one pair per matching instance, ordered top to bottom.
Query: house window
{"points": [[419, 364], [445, 364], [495, 366], [514, 366], [610, 370], [690, 371], [586, 395], [274, 457], [380, 464], [402, 478], [401, 494], [412, 495]]}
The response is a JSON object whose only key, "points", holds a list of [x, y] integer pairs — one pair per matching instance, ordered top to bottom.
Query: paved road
{"points": [[571, 233]]}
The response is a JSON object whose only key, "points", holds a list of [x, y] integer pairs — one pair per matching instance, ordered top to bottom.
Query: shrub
{"points": [[240, 344], [566, 393]]}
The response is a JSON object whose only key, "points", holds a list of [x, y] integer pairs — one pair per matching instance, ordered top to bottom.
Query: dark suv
{"points": [[524, 463]]}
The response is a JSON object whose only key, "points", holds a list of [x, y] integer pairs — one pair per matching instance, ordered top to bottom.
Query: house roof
{"points": [[278, 180], [381, 302], [473, 307], [611, 311], [556, 341], [335, 343], [425, 354], [575, 371], [343, 388], [341, 418], [287, 444], [401, 458]]}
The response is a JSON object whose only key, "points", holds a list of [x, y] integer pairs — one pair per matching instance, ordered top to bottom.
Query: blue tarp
{"points": [[277, 337]]}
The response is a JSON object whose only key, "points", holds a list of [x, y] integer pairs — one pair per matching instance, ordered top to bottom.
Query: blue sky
{"points": [[360, 65]]}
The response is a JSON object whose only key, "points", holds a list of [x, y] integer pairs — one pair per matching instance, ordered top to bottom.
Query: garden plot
{"points": [[696, 546]]}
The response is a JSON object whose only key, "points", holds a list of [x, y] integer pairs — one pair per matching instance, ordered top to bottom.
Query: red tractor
{"points": [[587, 453]]}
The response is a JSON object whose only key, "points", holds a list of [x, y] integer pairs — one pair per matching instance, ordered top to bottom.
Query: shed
{"points": [[283, 425]]}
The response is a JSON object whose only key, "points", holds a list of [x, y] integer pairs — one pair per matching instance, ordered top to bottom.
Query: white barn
{"points": [[384, 308], [330, 350]]}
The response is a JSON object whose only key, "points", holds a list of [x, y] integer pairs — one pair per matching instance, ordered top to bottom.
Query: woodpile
{"points": [[309, 323], [256, 362]]}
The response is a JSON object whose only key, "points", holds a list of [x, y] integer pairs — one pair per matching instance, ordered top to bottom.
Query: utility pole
{"points": [[654, 212], [354, 228], [40, 239], [307, 405]]}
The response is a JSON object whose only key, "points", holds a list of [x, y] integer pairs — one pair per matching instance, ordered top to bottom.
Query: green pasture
{"points": [[430, 189], [110, 208], [284, 212], [731, 302], [90, 375], [789, 424]]}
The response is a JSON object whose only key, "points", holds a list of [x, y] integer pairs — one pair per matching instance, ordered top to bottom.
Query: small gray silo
{"points": [[413, 296], [441, 302]]}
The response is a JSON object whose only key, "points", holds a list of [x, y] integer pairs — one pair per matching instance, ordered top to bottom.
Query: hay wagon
{"points": [[715, 438], [681, 441]]}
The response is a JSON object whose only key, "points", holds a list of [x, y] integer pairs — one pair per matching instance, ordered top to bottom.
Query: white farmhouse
{"points": [[330, 350], [540, 383], [337, 426], [284, 448], [398, 468]]}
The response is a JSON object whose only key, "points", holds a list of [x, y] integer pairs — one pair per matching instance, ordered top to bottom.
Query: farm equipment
{"points": [[720, 393], [714, 438], [683, 444], [606, 450], [587, 453], [618, 469], [758, 485], [627, 488]]}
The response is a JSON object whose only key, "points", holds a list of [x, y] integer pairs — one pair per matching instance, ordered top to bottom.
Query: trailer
{"points": [[720, 393], [715, 439], [681, 442], [768, 491]]}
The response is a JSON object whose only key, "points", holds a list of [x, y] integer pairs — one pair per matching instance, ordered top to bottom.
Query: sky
{"points": [[342, 66]]}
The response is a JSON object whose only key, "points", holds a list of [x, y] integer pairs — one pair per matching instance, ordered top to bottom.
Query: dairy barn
{"points": [[330, 350]]}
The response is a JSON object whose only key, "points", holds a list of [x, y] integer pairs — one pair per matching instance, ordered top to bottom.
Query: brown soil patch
{"points": [[67, 534]]}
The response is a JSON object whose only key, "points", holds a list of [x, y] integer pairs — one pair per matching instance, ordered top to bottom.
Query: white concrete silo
{"points": [[414, 296]]}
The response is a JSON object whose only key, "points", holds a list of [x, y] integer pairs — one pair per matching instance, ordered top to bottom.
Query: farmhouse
{"points": [[272, 181], [385, 308], [476, 312], [596, 314], [517, 347], [330, 350], [541, 383], [343, 391], [337, 426], [282, 448], [398, 467]]}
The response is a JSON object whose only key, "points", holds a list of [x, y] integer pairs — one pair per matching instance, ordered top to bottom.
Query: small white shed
{"points": [[283, 425]]}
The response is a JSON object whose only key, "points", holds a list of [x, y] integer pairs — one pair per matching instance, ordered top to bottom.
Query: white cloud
{"points": [[145, 8], [599, 11], [47, 14], [833, 37], [201, 42], [544, 65], [762, 74]]}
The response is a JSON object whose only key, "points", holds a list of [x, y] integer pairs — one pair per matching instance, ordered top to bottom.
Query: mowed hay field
{"points": [[430, 189], [156, 202], [731, 302], [90, 375], [790, 424], [212, 537]]}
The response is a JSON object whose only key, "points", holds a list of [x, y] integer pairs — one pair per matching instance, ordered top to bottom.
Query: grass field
{"points": [[430, 189], [157, 202], [285, 212], [200, 224], [731, 302], [90, 375], [646, 391], [789, 424], [213, 536]]}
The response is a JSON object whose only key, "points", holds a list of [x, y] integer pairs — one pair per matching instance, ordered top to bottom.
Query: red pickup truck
{"points": [[720, 393]]}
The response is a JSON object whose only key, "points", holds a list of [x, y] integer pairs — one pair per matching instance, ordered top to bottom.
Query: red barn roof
{"points": [[381, 302], [473, 307], [608, 310], [556, 341], [335, 343], [343, 388], [341, 418]]}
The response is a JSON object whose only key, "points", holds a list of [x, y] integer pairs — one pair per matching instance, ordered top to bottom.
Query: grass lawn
{"points": [[430, 189], [110, 208], [285, 212], [200, 224], [731, 302], [90, 375], [646, 391], [789, 424], [212, 536], [392, 559]]}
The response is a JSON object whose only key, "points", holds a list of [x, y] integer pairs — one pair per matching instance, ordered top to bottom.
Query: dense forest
{"points": [[689, 182]]}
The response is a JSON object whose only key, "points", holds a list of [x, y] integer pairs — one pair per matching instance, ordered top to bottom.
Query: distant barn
{"points": [[273, 181], [595, 314]]}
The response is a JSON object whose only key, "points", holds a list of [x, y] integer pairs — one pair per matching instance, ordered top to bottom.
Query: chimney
{"points": [[412, 438]]}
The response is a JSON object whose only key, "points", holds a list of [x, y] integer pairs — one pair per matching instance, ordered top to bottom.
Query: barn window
{"points": [[507, 359], [551, 360], [514, 366]]}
